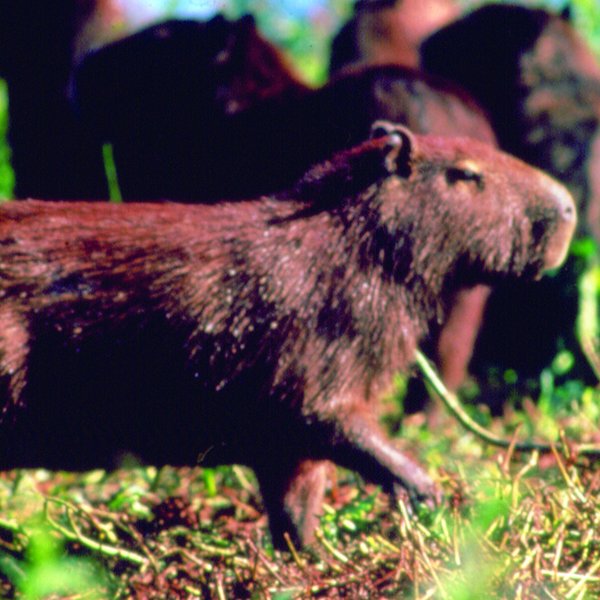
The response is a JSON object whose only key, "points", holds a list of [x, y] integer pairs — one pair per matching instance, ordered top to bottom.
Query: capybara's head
{"points": [[249, 68], [539, 82], [462, 211]]}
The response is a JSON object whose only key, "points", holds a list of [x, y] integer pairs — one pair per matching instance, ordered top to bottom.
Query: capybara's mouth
{"points": [[558, 243], [558, 247]]}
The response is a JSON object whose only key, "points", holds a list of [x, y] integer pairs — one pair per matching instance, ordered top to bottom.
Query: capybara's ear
{"points": [[247, 21], [400, 147]]}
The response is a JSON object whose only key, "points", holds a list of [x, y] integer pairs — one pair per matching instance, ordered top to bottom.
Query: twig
{"points": [[587, 317], [452, 403], [243, 480], [579, 495], [105, 549], [330, 549], [294, 552], [272, 569], [586, 578]]}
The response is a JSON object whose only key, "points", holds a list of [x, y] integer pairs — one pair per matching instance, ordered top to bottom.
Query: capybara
{"points": [[388, 32], [540, 85], [202, 133], [52, 156], [260, 332]]}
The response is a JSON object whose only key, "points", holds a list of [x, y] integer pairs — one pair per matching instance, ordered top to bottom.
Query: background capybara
{"points": [[388, 32], [41, 45], [540, 85], [163, 96], [180, 134], [52, 155], [258, 332]]}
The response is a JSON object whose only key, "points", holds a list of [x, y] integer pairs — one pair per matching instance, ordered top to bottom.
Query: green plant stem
{"points": [[110, 169], [587, 319], [454, 406], [90, 544]]}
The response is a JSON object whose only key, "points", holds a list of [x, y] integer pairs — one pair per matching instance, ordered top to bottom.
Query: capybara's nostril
{"points": [[566, 204], [569, 213]]}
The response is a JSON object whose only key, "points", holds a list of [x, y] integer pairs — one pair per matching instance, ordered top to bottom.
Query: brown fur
{"points": [[388, 32], [237, 123], [259, 332]]}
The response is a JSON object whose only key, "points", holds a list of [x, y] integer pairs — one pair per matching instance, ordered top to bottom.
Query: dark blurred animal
{"points": [[388, 32], [540, 85], [163, 96], [191, 125], [52, 155], [259, 332]]}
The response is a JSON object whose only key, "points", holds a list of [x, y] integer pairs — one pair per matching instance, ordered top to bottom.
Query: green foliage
{"points": [[587, 20], [6, 175], [129, 499], [354, 517], [45, 569], [48, 571]]}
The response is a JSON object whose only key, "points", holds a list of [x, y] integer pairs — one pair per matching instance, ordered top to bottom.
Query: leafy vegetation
{"points": [[6, 174], [514, 525]]}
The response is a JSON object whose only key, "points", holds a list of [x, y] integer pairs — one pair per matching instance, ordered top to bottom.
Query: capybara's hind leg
{"points": [[14, 345], [293, 496]]}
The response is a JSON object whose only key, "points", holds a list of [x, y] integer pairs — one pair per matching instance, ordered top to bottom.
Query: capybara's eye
{"points": [[379, 131], [467, 172]]}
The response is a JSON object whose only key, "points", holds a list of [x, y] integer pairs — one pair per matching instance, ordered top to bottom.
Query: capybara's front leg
{"points": [[459, 333], [359, 444], [303, 499]]}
